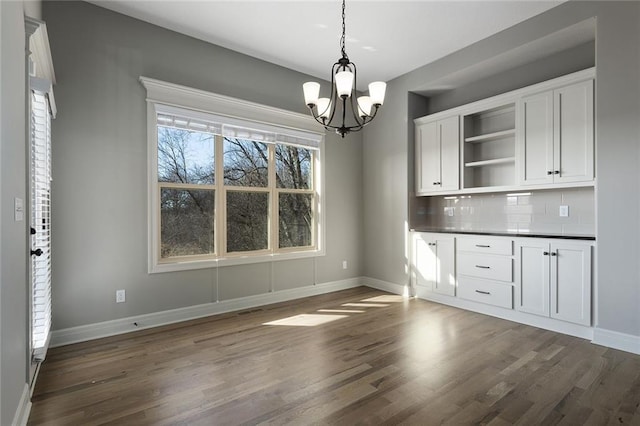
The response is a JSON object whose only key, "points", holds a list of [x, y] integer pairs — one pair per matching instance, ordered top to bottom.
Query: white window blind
{"points": [[41, 222]]}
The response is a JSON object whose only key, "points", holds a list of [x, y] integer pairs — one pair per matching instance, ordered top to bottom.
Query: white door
{"points": [[573, 132], [536, 139], [450, 153], [427, 158], [40, 209], [443, 252], [532, 277], [571, 282]]}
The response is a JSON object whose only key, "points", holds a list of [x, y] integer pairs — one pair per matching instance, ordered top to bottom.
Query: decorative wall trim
{"points": [[182, 96], [385, 286], [125, 325], [616, 340], [24, 408]]}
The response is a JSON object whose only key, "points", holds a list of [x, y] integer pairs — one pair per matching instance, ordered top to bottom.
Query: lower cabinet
{"points": [[434, 262], [485, 270], [547, 277], [553, 279]]}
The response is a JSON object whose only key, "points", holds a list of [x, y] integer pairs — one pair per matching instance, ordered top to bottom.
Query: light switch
{"points": [[19, 209], [564, 211]]}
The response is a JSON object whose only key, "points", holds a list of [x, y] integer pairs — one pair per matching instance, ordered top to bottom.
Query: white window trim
{"points": [[162, 96]]}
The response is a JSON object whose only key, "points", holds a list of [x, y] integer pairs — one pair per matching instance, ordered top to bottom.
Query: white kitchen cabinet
{"points": [[555, 135], [488, 148], [437, 155], [434, 262], [485, 270], [553, 278]]}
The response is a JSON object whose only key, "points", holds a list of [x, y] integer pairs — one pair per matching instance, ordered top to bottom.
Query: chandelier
{"points": [[343, 94]]}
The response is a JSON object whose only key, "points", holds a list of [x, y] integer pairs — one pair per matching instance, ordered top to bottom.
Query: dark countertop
{"points": [[507, 234]]}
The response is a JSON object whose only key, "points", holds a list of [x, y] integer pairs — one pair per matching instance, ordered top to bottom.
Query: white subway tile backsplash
{"points": [[530, 211]]}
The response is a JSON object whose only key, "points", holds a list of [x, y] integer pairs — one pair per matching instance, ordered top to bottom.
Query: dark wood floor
{"points": [[390, 361]]}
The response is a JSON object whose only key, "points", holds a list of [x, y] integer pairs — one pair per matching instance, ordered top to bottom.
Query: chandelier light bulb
{"points": [[344, 83], [377, 90], [311, 93], [364, 106], [324, 107]]}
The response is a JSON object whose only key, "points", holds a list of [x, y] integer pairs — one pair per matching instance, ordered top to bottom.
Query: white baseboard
{"points": [[385, 286], [551, 324], [87, 332], [616, 340], [21, 416]]}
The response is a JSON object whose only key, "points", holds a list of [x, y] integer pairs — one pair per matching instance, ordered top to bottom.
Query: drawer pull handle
{"points": [[483, 245], [545, 253], [553, 253], [483, 267], [483, 292]]}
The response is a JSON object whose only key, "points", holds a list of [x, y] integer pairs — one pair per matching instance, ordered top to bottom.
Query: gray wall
{"points": [[386, 177], [99, 189], [13, 250]]}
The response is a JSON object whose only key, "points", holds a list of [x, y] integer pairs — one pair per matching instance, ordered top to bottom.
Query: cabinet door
{"points": [[573, 133], [536, 139], [450, 153], [428, 158], [424, 260], [532, 277], [445, 282], [571, 282]]}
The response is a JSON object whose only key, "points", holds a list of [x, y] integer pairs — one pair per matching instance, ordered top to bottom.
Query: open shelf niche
{"points": [[489, 147]]}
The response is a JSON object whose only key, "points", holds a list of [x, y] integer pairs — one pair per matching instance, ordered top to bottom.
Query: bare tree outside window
{"points": [[186, 158], [246, 163], [188, 189], [295, 210]]}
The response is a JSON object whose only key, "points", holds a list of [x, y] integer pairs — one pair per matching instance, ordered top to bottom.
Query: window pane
{"points": [[185, 156], [245, 162], [293, 167], [295, 220], [247, 221], [186, 222]]}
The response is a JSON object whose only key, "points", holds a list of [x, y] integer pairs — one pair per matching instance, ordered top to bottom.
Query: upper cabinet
{"points": [[537, 137], [556, 142], [437, 156]]}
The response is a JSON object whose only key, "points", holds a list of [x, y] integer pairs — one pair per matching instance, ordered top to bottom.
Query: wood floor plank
{"points": [[386, 361]]}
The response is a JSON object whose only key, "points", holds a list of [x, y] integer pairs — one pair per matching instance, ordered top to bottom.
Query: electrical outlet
{"points": [[564, 211], [344, 264], [120, 296]]}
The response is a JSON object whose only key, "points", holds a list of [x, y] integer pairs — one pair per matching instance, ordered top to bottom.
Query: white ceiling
{"points": [[384, 38]]}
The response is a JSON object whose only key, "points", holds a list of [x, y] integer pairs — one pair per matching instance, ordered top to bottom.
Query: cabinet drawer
{"points": [[487, 246], [488, 267], [488, 292]]}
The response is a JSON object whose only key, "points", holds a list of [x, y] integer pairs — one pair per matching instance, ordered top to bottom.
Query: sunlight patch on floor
{"points": [[387, 298], [365, 305], [342, 311], [306, 320]]}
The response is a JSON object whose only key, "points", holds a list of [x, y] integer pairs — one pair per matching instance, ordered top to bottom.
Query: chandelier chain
{"points": [[344, 30]]}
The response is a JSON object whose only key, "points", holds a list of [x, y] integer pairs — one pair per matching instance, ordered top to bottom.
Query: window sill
{"points": [[231, 261]]}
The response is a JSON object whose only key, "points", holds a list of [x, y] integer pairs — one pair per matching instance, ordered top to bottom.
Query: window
{"points": [[225, 190]]}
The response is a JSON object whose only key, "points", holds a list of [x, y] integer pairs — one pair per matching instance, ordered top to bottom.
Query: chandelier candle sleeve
{"points": [[343, 111]]}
